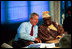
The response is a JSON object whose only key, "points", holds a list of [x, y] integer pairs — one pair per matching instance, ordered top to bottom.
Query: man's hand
{"points": [[58, 37], [37, 40], [31, 42]]}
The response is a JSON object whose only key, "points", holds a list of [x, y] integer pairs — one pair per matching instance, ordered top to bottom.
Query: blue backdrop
{"points": [[19, 11]]}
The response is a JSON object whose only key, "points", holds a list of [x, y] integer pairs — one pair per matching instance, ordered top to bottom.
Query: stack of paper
{"points": [[42, 45]]}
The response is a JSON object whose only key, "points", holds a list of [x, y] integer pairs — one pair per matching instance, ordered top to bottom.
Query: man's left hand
{"points": [[58, 37]]}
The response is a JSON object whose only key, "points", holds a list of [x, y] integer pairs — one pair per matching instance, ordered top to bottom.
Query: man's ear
{"points": [[30, 18]]}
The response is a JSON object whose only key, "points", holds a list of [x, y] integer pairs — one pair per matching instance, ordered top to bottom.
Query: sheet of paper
{"points": [[42, 45], [47, 45]]}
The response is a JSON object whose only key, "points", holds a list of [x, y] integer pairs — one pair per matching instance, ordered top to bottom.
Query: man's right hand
{"points": [[37, 40]]}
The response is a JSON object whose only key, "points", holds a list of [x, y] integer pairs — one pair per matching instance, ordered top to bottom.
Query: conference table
{"points": [[56, 41], [53, 42]]}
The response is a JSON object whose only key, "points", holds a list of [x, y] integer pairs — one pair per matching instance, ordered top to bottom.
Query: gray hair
{"points": [[32, 15]]}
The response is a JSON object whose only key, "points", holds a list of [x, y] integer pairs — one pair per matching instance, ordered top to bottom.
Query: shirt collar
{"points": [[30, 23]]}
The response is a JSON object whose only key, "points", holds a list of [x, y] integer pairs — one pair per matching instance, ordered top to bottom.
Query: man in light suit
{"points": [[27, 32]]}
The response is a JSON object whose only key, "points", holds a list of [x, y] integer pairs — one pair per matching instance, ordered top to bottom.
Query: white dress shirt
{"points": [[24, 30]]}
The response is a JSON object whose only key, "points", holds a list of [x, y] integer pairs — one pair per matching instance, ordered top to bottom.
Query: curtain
{"points": [[55, 10]]}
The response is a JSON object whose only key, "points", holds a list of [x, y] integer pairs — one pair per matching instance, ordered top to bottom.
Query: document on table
{"points": [[42, 45], [47, 45]]}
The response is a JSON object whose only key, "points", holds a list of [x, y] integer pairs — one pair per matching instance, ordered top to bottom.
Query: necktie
{"points": [[31, 31]]}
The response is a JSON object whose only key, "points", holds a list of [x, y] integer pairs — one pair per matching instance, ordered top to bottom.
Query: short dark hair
{"points": [[32, 15], [65, 42]]}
